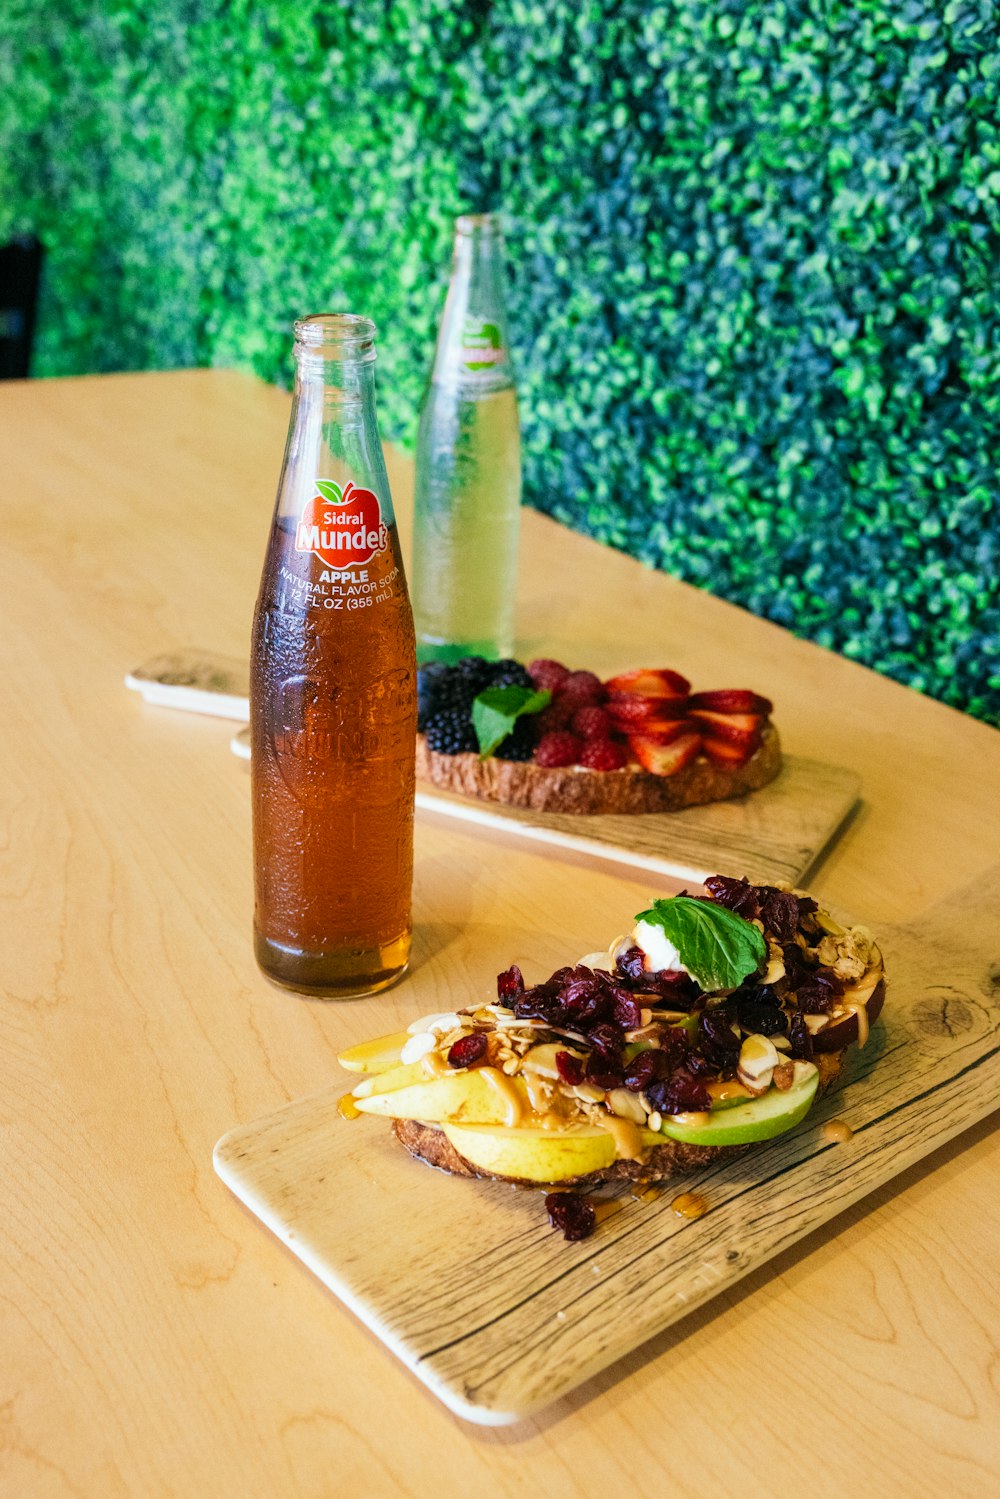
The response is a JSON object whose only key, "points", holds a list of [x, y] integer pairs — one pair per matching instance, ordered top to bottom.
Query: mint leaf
{"points": [[330, 491], [497, 709], [718, 948]]}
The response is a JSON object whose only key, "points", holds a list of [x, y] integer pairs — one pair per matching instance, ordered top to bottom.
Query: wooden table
{"points": [[156, 1340]]}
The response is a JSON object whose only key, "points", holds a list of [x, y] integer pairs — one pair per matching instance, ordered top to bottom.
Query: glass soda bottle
{"points": [[468, 464], [333, 690]]}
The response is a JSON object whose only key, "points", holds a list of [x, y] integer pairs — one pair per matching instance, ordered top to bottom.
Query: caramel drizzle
{"points": [[508, 1092], [626, 1135]]}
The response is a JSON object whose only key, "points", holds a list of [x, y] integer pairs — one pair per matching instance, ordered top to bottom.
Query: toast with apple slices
{"points": [[711, 1028]]}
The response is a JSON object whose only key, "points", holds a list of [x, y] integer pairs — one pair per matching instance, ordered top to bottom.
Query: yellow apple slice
{"points": [[377, 1055], [391, 1080], [482, 1096], [537, 1155]]}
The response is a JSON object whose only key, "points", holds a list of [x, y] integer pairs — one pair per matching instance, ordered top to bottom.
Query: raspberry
{"points": [[546, 674], [583, 688], [556, 716], [591, 723], [557, 748], [603, 754]]}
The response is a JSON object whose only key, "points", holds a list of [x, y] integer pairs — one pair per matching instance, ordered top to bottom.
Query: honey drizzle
{"points": [[508, 1092], [347, 1108], [837, 1131], [626, 1135], [690, 1205]]}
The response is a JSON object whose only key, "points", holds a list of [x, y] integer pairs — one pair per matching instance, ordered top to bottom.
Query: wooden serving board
{"points": [[776, 833], [499, 1316]]}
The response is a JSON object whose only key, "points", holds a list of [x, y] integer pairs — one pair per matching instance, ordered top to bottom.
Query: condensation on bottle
{"points": [[467, 486], [333, 690]]}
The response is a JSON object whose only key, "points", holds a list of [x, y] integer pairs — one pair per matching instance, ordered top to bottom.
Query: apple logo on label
{"points": [[342, 527]]}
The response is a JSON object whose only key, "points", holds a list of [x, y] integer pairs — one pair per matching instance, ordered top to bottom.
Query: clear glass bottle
{"points": [[467, 493], [333, 690]]}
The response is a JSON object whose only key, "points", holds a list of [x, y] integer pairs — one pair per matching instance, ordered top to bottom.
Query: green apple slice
{"points": [[377, 1055], [466, 1097], [758, 1119], [537, 1155]]}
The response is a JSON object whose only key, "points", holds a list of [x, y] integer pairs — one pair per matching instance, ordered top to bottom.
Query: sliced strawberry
{"points": [[650, 683], [731, 700], [628, 708], [669, 725], [736, 728], [664, 730], [726, 753], [664, 759]]}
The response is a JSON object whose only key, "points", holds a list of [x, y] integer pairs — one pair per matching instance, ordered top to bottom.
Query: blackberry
{"points": [[474, 669], [509, 674], [429, 681], [454, 690], [450, 732], [520, 742]]}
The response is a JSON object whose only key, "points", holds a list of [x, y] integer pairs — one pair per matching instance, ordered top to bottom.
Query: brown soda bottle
{"points": [[333, 690]]}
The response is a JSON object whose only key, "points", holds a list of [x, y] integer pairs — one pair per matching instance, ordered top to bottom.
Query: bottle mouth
{"points": [[336, 335]]}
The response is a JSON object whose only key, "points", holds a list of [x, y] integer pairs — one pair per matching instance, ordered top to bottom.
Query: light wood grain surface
{"points": [[156, 1341]]}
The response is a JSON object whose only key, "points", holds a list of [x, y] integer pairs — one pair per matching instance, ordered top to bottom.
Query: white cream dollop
{"points": [[660, 953]]}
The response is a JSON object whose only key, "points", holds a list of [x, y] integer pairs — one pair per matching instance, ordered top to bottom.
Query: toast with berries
{"points": [[554, 740], [710, 1028]]}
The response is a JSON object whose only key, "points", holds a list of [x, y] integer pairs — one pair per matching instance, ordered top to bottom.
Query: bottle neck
{"points": [[474, 343], [333, 432]]}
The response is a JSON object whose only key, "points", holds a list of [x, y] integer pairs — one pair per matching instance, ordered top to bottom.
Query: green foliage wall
{"points": [[753, 258]]}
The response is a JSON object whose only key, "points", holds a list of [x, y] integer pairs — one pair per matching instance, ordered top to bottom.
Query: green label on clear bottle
{"points": [[482, 346]]}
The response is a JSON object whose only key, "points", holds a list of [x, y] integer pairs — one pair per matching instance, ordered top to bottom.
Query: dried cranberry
{"points": [[736, 895], [779, 911], [631, 962], [797, 965], [510, 985], [678, 990], [817, 994], [585, 1000], [534, 1004], [626, 1012], [762, 1019], [716, 1037], [606, 1038], [801, 1039], [675, 1044], [467, 1050], [648, 1067], [570, 1068], [604, 1070], [679, 1094], [574, 1216]]}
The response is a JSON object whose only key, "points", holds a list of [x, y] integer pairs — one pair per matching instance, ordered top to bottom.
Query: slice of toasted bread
{"points": [[571, 789], [673, 1158]]}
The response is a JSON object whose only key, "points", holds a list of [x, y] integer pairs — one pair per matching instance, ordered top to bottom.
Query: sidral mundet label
{"points": [[343, 527]]}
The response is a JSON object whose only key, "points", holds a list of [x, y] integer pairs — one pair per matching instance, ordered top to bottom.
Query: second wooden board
{"points": [[775, 834]]}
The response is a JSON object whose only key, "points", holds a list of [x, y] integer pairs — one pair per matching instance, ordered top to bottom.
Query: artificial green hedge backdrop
{"points": [[753, 258]]}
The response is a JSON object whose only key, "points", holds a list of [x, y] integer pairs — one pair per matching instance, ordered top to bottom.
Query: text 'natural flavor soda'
{"points": [[333, 690]]}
